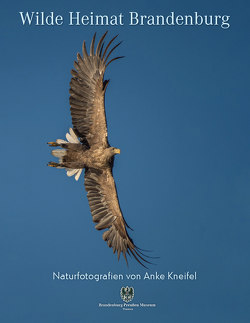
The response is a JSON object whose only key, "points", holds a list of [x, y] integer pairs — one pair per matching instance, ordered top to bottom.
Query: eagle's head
{"points": [[111, 151], [116, 151]]}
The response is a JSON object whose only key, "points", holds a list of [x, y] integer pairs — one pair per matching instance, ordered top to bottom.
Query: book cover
{"points": [[177, 107]]}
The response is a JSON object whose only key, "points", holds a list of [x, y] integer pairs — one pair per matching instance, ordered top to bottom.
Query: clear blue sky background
{"points": [[178, 107]]}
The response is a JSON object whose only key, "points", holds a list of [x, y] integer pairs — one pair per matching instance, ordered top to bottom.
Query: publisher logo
{"points": [[127, 294]]}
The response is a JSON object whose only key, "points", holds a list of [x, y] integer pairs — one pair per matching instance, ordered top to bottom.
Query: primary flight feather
{"points": [[87, 147]]}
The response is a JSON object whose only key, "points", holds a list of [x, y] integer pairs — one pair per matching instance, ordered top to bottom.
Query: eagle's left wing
{"points": [[87, 91], [106, 212]]}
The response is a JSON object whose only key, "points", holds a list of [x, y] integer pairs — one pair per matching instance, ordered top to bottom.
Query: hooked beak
{"points": [[117, 151]]}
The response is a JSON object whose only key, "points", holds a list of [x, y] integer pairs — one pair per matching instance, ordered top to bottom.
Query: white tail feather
{"points": [[73, 135], [69, 138], [61, 141], [58, 152], [71, 172], [78, 174]]}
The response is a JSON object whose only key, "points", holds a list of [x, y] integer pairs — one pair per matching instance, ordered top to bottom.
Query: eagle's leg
{"points": [[53, 144], [53, 164]]}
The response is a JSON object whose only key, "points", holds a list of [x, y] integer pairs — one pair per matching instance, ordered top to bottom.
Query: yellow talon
{"points": [[52, 144], [52, 164]]}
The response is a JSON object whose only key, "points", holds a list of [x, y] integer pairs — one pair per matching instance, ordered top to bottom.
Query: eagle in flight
{"points": [[87, 147]]}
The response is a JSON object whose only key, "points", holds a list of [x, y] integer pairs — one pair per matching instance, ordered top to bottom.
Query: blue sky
{"points": [[178, 108]]}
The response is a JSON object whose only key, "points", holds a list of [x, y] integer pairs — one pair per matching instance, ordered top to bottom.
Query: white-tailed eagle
{"points": [[87, 147]]}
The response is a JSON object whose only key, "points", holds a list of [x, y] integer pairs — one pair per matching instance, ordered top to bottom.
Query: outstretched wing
{"points": [[87, 91], [106, 212]]}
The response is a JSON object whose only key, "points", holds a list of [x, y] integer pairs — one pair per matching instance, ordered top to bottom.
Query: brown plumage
{"points": [[88, 147]]}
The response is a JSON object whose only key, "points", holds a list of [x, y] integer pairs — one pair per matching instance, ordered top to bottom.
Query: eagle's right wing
{"points": [[106, 212]]}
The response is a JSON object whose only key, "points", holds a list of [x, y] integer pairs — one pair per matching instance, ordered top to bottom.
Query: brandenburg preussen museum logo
{"points": [[127, 294]]}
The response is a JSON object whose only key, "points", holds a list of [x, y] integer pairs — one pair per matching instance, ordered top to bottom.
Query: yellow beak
{"points": [[117, 151]]}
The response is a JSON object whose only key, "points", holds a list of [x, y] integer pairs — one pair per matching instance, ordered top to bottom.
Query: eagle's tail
{"points": [[61, 154]]}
